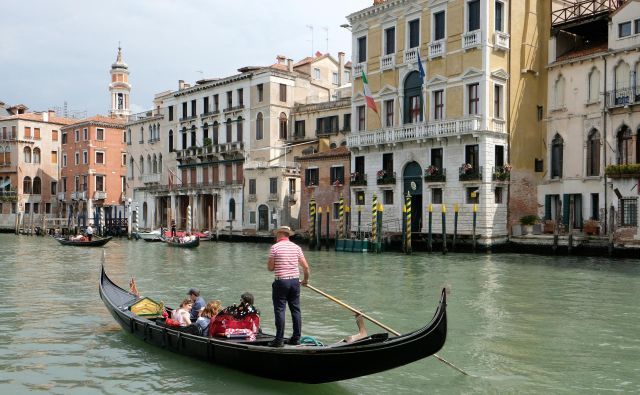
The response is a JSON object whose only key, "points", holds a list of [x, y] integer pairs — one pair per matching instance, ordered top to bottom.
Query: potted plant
{"points": [[527, 223], [591, 227]]}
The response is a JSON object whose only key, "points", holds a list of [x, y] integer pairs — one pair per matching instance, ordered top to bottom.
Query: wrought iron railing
{"points": [[435, 174], [469, 174], [385, 178], [358, 179]]}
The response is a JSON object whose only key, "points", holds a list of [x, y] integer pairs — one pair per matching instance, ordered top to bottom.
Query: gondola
{"points": [[93, 243], [191, 244], [306, 363]]}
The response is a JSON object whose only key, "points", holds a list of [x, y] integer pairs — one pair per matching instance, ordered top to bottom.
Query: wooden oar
{"points": [[380, 324]]}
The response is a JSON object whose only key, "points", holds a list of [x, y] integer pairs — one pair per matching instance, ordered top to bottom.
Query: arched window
{"points": [[622, 84], [594, 86], [558, 93], [413, 98], [282, 122], [259, 127], [239, 129], [158, 132], [205, 132], [214, 133], [141, 134], [229, 134], [193, 136], [184, 138], [624, 145], [557, 146], [171, 149], [593, 153], [27, 155], [36, 155], [159, 163], [155, 164], [131, 165], [141, 165], [149, 165], [26, 185], [37, 186], [232, 209]]}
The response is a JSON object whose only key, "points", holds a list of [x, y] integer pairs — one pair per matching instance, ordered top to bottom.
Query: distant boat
{"points": [[154, 235], [96, 242], [176, 243]]}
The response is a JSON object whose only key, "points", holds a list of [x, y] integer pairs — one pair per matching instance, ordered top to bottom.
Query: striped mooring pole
{"points": [[475, 215], [188, 218], [341, 219], [101, 221], [374, 221], [312, 222], [347, 222], [328, 223], [379, 224], [408, 224], [455, 226], [404, 228], [444, 229], [319, 233], [430, 238]]}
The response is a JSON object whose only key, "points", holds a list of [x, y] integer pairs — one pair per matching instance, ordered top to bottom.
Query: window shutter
{"points": [[547, 207], [565, 209]]}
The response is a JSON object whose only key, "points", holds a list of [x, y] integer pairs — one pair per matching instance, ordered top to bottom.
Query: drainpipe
{"points": [[604, 145]]}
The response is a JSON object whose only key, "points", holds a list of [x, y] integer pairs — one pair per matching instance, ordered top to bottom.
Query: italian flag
{"points": [[367, 93]]}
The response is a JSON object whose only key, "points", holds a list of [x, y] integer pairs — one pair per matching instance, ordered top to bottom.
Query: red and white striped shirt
{"points": [[286, 255]]}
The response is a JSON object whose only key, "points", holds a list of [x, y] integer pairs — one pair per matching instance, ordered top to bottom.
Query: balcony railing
{"points": [[583, 9], [471, 39], [501, 40], [437, 48], [411, 55], [388, 62], [358, 68], [623, 97], [234, 108], [144, 115], [189, 118], [497, 125], [415, 132], [623, 171], [501, 173], [435, 174], [469, 174], [151, 178], [385, 178], [358, 179], [8, 195], [99, 195], [273, 197]]}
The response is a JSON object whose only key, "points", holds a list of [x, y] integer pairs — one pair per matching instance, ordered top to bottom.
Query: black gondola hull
{"points": [[92, 243], [191, 244], [306, 364]]}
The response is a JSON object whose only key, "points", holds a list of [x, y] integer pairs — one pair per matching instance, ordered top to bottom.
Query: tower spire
{"points": [[119, 88]]}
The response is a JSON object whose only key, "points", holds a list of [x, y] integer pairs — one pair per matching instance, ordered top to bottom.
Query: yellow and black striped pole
{"points": [[475, 214], [374, 220], [312, 222], [347, 222], [408, 224], [379, 225], [455, 226], [444, 229], [340, 231], [319, 233], [430, 239]]}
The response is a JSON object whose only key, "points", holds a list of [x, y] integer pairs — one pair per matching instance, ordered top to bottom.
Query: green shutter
{"points": [[547, 207], [565, 209]]}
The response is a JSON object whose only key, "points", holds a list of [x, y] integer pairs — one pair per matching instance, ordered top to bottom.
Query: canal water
{"points": [[517, 323]]}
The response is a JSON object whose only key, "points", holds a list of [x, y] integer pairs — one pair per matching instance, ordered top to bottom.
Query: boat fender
{"points": [[310, 341]]}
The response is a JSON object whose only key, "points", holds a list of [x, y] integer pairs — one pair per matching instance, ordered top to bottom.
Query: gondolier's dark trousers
{"points": [[283, 292]]}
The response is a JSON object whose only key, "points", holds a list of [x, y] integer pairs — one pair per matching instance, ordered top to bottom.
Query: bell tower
{"points": [[119, 88]]}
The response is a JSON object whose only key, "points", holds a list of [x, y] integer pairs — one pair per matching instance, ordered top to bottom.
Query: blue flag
{"points": [[422, 73]]}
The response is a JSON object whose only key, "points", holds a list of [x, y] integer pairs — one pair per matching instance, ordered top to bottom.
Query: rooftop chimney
{"points": [[281, 59], [290, 65], [340, 68], [181, 84]]}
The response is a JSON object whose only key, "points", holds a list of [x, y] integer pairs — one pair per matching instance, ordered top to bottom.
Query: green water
{"points": [[517, 323]]}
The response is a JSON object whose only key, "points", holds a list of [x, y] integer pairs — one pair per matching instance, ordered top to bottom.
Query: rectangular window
{"points": [[473, 15], [499, 17], [439, 25], [637, 26], [624, 29], [414, 33], [389, 41], [362, 49], [316, 73], [347, 76], [334, 77], [260, 88], [283, 93], [240, 97], [474, 99], [497, 101], [216, 103], [205, 104], [438, 104], [388, 106], [194, 108], [185, 112], [170, 113], [361, 122], [347, 123], [299, 129], [27, 132], [36, 133], [85, 134], [100, 134], [54, 135], [77, 135], [3, 136], [472, 156], [499, 156], [54, 157], [85, 157], [77, 158], [99, 158], [436, 158], [64, 160], [124, 162], [359, 162], [387, 163], [337, 175], [311, 177], [84, 183], [100, 183], [273, 185], [252, 186], [292, 186], [54, 187], [473, 195], [497, 195], [388, 196], [436, 196], [360, 198], [595, 206], [47, 208], [336, 211], [629, 212], [252, 217]]}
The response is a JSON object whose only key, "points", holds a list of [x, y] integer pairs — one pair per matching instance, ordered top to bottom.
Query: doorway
{"points": [[412, 179], [263, 218]]}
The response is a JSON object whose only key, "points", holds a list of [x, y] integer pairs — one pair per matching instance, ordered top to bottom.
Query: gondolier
{"points": [[284, 259]]}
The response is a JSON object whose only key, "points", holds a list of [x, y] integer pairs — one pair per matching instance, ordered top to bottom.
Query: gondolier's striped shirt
{"points": [[286, 255]]}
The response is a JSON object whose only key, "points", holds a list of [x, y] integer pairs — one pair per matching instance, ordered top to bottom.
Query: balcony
{"points": [[583, 10], [471, 39], [501, 41], [437, 49], [411, 55], [388, 62], [358, 68], [623, 97], [234, 108], [210, 113], [189, 118], [498, 125], [416, 132], [623, 171], [468, 173], [501, 173], [435, 174], [151, 178], [385, 178], [358, 179], [8, 195], [74, 195], [99, 195], [61, 196], [273, 197]]}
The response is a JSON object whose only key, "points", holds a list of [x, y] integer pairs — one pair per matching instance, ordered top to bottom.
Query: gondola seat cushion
{"points": [[222, 322]]}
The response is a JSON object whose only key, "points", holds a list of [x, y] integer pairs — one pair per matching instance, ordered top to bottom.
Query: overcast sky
{"points": [[62, 50]]}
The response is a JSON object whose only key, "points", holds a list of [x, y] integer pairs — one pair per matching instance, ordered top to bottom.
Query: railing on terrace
{"points": [[583, 9], [471, 39], [501, 40], [437, 48], [387, 62], [358, 68], [623, 97], [234, 108], [145, 115], [415, 132], [501, 173], [435, 174], [469, 174], [151, 178], [385, 178], [358, 179], [8, 196]]}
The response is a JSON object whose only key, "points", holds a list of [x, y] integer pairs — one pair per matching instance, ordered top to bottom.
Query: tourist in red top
{"points": [[284, 259]]}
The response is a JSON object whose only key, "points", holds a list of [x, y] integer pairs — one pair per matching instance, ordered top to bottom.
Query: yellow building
{"points": [[458, 133]]}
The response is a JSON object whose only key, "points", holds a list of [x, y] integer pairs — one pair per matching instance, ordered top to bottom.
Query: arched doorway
{"points": [[412, 106], [412, 178], [144, 214], [263, 218]]}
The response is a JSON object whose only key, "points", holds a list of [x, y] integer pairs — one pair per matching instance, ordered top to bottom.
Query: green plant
{"points": [[206, 142], [528, 219]]}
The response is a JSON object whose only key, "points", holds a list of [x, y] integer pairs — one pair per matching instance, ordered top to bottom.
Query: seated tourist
{"points": [[182, 314], [207, 314], [243, 316]]}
